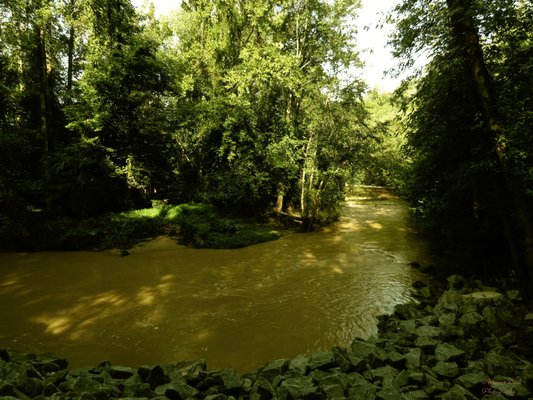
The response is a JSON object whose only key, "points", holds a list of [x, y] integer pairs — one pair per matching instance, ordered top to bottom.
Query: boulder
{"points": [[429, 331], [448, 352], [412, 358], [323, 360], [300, 364], [274, 368], [446, 369], [473, 381], [297, 388], [263, 389]]}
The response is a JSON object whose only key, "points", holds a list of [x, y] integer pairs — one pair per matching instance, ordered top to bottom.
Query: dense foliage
{"points": [[230, 103], [470, 127]]}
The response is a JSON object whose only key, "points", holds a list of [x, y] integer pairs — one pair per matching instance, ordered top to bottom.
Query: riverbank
{"points": [[195, 225], [462, 339]]}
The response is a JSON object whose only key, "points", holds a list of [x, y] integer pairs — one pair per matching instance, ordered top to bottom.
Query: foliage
{"points": [[466, 133]]}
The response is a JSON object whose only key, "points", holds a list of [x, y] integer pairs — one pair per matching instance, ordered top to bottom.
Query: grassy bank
{"points": [[195, 225]]}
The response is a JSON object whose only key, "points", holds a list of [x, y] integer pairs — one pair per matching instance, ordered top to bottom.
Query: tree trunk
{"points": [[40, 36], [514, 211]]}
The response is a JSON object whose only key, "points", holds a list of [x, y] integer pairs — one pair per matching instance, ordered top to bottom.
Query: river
{"points": [[234, 308]]}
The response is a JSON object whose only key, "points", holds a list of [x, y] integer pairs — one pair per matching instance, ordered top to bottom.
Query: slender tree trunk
{"points": [[40, 36], [515, 214]]}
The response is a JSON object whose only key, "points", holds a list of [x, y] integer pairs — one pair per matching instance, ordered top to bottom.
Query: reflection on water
{"points": [[235, 308]]}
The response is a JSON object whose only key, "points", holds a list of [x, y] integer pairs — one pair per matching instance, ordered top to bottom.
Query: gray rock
{"points": [[456, 282], [514, 295], [449, 301], [406, 311], [470, 318], [446, 319], [528, 319], [407, 327], [429, 331], [426, 343], [362, 349], [448, 352], [412, 358], [342, 359], [323, 360], [300, 363], [497, 364], [274, 368], [446, 369], [120, 372], [416, 378], [229, 379], [402, 379], [473, 381], [296, 388], [6, 389], [263, 389], [361, 389], [332, 390], [176, 391], [458, 393], [415, 395], [216, 396]]}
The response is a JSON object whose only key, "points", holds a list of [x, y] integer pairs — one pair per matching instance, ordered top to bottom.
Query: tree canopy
{"points": [[469, 130]]}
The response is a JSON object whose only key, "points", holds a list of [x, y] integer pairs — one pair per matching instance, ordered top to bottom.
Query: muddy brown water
{"points": [[234, 308]]}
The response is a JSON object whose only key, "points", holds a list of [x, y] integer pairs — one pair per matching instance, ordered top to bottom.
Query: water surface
{"points": [[235, 308]]}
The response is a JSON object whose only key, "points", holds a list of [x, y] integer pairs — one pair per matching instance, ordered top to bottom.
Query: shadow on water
{"points": [[235, 308]]}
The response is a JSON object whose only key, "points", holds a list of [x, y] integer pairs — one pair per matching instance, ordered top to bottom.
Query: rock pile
{"points": [[465, 341]]}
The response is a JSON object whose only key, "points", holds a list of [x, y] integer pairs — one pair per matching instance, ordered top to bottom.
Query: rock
{"points": [[456, 282], [514, 295], [483, 298], [449, 301], [406, 311], [446, 319], [470, 319], [528, 319], [407, 327], [429, 331], [426, 343], [362, 349], [448, 352], [342, 358], [412, 358], [323, 360], [300, 364], [496, 364], [274, 368], [446, 369], [120, 372], [527, 375], [156, 377], [416, 378], [229, 379], [473, 381], [30, 386], [297, 388], [7, 389], [264, 389], [361, 389], [176, 391], [332, 391], [458, 393], [415, 395], [217, 396]]}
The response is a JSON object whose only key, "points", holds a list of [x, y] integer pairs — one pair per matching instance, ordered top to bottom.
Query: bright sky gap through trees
{"points": [[372, 40]]}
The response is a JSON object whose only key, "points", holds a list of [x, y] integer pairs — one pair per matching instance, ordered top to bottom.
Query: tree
{"points": [[466, 159]]}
